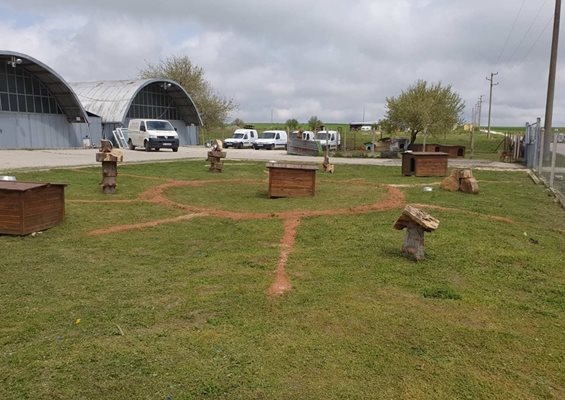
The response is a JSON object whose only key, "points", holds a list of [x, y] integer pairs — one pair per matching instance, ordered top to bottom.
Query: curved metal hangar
{"points": [[116, 102], [38, 109]]}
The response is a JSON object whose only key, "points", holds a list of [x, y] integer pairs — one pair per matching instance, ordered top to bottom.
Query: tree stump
{"points": [[215, 156], [109, 158], [327, 166], [416, 223]]}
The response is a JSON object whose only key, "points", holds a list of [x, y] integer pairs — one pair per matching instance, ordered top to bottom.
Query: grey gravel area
{"points": [[11, 160]]}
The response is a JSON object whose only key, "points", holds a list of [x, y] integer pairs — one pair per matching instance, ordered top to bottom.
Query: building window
{"points": [[20, 91], [153, 102]]}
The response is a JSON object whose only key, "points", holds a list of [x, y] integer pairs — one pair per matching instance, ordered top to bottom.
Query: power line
{"points": [[527, 31], [510, 32], [538, 38]]}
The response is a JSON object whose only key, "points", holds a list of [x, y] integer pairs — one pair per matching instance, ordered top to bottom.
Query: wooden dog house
{"points": [[453, 151], [424, 163], [291, 180], [27, 207]]}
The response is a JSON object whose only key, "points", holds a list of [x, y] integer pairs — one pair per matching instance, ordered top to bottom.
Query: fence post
{"points": [[541, 144], [553, 157]]}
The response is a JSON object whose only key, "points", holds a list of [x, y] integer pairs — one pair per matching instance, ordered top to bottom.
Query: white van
{"points": [[366, 128], [152, 134], [304, 135], [242, 138], [330, 139], [271, 140]]}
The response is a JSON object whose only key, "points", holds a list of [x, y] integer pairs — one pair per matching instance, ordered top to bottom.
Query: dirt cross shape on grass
{"points": [[291, 219]]}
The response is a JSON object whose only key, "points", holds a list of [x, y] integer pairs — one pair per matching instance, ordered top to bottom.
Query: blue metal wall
{"points": [[37, 131]]}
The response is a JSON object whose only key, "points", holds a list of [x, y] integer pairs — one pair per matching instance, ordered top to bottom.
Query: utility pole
{"points": [[551, 80], [490, 99], [479, 108], [472, 133]]}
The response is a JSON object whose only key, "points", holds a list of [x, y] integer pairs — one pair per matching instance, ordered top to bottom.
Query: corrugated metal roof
{"points": [[56, 85], [111, 100]]}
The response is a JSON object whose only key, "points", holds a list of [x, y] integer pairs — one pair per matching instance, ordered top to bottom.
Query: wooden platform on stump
{"points": [[416, 223]]}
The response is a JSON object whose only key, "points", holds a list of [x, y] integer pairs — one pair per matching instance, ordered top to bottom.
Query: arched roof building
{"points": [[116, 102], [38, 109]]}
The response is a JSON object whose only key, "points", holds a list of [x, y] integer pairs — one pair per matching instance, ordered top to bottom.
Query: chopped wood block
{"points": [[105, 146], [217, 154], [114, 156], [465, 173], [450, 183], [469, 185], [418, 216]]}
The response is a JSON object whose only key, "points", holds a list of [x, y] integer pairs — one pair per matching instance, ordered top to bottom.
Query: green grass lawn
{"points": [[481, 318]]}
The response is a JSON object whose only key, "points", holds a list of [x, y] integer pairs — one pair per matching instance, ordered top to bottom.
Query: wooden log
{"points": [[105, 146], [217, 154], [216, 164], [327, 166], [465, 173], [109, 174], [450, 183], [469, 185], [410, 213], [413, 246]]}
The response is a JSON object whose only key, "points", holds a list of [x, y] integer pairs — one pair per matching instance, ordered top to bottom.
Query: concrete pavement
{"points": [[11, 160]]}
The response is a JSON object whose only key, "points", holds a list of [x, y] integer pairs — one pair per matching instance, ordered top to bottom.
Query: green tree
{"points": [[432, 108], [214, 109], [238, 122], [314, 123], [292, 124]]}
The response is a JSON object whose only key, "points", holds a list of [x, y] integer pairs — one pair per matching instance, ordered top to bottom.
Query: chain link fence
{"points": [[545, 155]]}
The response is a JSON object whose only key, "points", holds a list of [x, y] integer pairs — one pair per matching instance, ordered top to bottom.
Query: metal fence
{"points": [[546, 157]]}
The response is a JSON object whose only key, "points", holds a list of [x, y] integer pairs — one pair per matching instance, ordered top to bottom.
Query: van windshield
{"points": [[159, 126], [269, 135], [237, 136], [322, 136]]}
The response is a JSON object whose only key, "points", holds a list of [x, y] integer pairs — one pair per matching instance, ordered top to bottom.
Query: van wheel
{"points": [[130, 145], [240, 146], [147, 148], [175, 149]]}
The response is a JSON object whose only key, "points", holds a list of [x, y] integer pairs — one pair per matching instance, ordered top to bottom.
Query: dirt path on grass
{"points": [[395, 198], [282, 284]]}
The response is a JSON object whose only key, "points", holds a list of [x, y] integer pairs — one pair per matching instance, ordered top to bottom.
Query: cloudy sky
{"points": [[335, 59]]}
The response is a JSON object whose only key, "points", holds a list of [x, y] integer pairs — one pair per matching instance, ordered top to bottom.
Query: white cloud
{"points": [[299, 58]]}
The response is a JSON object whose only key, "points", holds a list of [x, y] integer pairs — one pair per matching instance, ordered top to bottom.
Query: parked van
{"points": [[366, 128], [152, 134], [304, 135], [242, 138], [330, 139], [271, 140]]}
